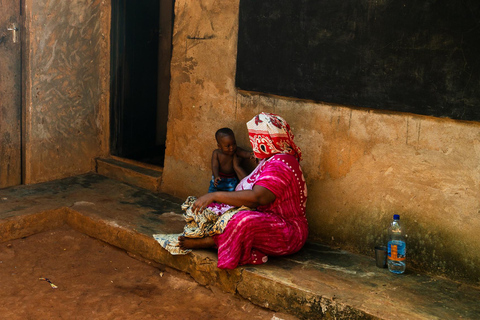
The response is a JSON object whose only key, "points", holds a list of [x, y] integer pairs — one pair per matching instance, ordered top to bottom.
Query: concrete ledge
{"points": [[131, 172], [26, 225], [201, 266], [317, 282], [272, 292]]}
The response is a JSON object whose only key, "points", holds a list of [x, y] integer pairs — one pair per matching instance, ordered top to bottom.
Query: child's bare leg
{"points": [[194, 243]]}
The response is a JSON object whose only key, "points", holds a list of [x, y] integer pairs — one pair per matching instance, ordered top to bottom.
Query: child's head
{"points": [[226, 141]]}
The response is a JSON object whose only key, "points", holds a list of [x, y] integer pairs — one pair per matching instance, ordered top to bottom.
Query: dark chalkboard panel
{"points": [[419, 56]]}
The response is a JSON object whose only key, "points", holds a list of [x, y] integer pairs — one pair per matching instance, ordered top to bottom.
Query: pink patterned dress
{"points": [[279, 228]]}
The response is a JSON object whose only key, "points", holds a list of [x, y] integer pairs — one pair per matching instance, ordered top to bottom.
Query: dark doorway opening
{"points": [[141, 46]]}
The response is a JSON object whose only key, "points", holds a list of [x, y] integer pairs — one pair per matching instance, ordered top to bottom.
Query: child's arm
{"points": [[244, 153], [237, 161], [215, 167]]}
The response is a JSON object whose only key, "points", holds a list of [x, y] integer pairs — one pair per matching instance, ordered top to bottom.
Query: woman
{"points": [[276, 188]]}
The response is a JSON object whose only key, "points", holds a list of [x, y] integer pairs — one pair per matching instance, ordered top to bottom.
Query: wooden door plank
{"points": [[10, 94]]}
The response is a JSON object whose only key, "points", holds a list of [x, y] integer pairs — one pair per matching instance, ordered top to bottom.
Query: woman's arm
{"points": [[258, 196]]}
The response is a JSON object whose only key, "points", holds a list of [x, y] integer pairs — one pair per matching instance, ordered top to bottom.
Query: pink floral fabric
{"points": [[270, 134], [279, 228]]}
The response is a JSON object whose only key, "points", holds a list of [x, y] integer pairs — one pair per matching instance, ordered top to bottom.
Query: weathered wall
{"points": [[67, 87], [362, 166]]}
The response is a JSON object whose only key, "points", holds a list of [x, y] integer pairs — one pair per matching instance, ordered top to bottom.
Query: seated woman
{"points": [[276, 189]]}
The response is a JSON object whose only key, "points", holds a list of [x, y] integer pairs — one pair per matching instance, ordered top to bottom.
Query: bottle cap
{"points": [[396, 217]]}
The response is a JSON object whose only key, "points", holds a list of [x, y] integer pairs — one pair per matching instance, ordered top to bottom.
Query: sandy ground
{"points": [[97, 281]]}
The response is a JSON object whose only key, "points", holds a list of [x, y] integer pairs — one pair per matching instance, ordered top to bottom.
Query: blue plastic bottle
{"points": [[396, 247]]}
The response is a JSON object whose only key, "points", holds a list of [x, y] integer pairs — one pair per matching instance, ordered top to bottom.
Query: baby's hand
{"points": [[216, 181]]}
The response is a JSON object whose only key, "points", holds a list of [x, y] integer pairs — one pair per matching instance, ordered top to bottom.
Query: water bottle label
{"points": [[396, 250]]}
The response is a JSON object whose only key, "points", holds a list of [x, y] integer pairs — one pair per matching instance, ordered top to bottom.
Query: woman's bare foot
{"points": [[194, 243]]}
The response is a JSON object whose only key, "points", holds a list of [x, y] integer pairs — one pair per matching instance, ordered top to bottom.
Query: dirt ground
{"points": [[97, 281]]}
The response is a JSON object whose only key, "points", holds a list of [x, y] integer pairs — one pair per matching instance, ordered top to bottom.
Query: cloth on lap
{"points": [[209, 222]]}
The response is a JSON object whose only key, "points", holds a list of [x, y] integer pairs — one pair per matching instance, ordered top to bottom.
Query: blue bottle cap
{"points": [[396, 217]]}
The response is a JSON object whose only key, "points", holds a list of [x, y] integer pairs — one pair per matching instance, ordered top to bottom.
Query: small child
{"points": [[226, 162]]}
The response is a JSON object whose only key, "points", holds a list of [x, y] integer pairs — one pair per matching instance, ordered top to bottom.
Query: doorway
{"points": [[141, 46]]}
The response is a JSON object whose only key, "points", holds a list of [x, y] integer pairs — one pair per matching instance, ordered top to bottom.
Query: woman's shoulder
{"points": [[284, 160], [281, 171]]}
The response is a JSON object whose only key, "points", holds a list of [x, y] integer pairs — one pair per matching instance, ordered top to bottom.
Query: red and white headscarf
{"points": [[270, 134]]}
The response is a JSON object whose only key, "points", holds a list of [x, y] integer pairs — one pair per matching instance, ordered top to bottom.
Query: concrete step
{"points": [[132, 172], [318, 282]]}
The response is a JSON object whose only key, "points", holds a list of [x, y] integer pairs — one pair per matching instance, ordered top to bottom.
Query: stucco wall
{"points": [[67, 83], [361, 166]]}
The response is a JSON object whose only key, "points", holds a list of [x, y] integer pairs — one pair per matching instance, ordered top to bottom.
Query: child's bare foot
{"points": [[194, 243]]}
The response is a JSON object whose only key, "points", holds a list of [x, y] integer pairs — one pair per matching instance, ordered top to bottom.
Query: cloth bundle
{"points": [[205, 224]]}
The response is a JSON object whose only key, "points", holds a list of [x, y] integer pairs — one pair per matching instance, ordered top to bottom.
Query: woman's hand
{"points": [[202, 202]]}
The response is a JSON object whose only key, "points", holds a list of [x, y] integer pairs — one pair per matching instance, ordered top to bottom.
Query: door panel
{"points": [[10, 94]]}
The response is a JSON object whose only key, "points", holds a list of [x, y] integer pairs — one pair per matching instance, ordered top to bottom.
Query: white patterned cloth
{"points": [[170, 243]]}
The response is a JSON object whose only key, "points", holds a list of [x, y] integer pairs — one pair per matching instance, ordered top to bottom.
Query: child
{"points": [[226, 162]]}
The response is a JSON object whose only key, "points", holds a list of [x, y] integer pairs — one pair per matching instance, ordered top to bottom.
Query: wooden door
{"points": [[10, 94]]}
